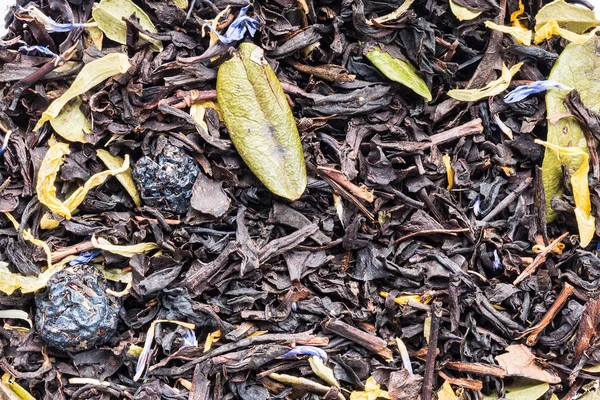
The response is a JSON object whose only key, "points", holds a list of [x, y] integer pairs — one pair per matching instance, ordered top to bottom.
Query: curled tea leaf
{"points": [[109, 15], [398, 71], [91, 74], [491, 89], [260, 122]]}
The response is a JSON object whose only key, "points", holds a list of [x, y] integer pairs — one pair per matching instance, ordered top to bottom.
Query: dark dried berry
{"points": [[167, 182], [74, 312]]}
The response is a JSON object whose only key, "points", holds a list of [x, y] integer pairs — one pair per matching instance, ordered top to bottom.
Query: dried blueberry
{"points": [[167, 182], [74, 312]]}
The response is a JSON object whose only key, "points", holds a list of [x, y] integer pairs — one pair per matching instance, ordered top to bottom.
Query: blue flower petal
{"points": [[238, 28], [33, 50], [523, 91], [85, 257], [497, 262], [189, 338], [306, 350]]}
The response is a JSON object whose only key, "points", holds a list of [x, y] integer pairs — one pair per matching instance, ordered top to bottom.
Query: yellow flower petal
{"points": [[463, 13], [552, 28], [519, 33], [491, 89]]}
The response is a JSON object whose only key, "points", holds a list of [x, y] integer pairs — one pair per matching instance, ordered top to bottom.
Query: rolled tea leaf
{"points": [[109, 15], [399, 71], [260, 122]]}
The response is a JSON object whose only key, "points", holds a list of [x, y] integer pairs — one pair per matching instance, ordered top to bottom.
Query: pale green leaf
{"points": [[463, 13], [109, 15], [569, 16], [578, 67], [399, 71], [92, 74], [260, 122], [71, 123], [323, 371], [522, 390]]}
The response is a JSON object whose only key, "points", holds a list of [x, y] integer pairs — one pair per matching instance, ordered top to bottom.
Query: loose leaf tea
{"points": [[260, 122], [350, 200]]}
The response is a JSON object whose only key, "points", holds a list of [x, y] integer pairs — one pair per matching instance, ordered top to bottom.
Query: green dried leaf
{"points": [[463, 13], [109, 14], [569, 16], [578, 67], [399, 71], [92, 74], [260, 122], [71, 123], [523, 390]]}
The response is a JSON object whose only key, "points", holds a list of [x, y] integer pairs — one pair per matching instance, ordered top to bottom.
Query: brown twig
{"points": [[361, 192], [451, 232], [59, 254], [541, 258], [537, 329], [366, 340], [432, 350], [477, 368], [472, 384]]}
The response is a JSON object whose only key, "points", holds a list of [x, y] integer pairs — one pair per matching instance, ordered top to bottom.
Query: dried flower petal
{"points": [[51, 25], [238, 28], [552, 28], [520, 34], [491, 89], [523, 91], [306, 350]]}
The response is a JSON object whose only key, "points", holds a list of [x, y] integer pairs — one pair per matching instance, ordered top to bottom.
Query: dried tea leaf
{"points": [[463, 13], [109, 15], [394, 15], [568, 16], [577, 67], [398, 71], [92, 74], [491, 89], [260, 122], [71, 123], [126, 178], [45, 188], [581, 191], [125, 251], [518, 361], [322, 371]]}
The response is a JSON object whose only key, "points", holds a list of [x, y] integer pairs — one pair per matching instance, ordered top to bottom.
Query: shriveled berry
{"points": [[167, 182], [74, 312]]}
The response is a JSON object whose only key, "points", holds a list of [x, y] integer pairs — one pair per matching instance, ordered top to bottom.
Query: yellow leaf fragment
{"points": [[463, 13], [394, 15], [552, 28], [519, 33], [96, 35], [92, 74], [491, 89], [71, 123], [449, 171], [126, 178], [46, 191], [581, 191], [77, 197], [125, 251], [9, 281], [211, 338], [135, 350], [322, 371], [11, 382], [372, 391], [446, 392]]}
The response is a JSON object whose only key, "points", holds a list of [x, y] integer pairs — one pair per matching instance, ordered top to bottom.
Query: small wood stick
{"points": [[360, 192], [71, 250], [541, 258], [537, 329], [366, 340], [432, 350], [477, 368]]}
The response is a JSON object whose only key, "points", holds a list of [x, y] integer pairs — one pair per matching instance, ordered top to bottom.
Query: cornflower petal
{"points": [[238, 28], [523, 91], [306, 350]]}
